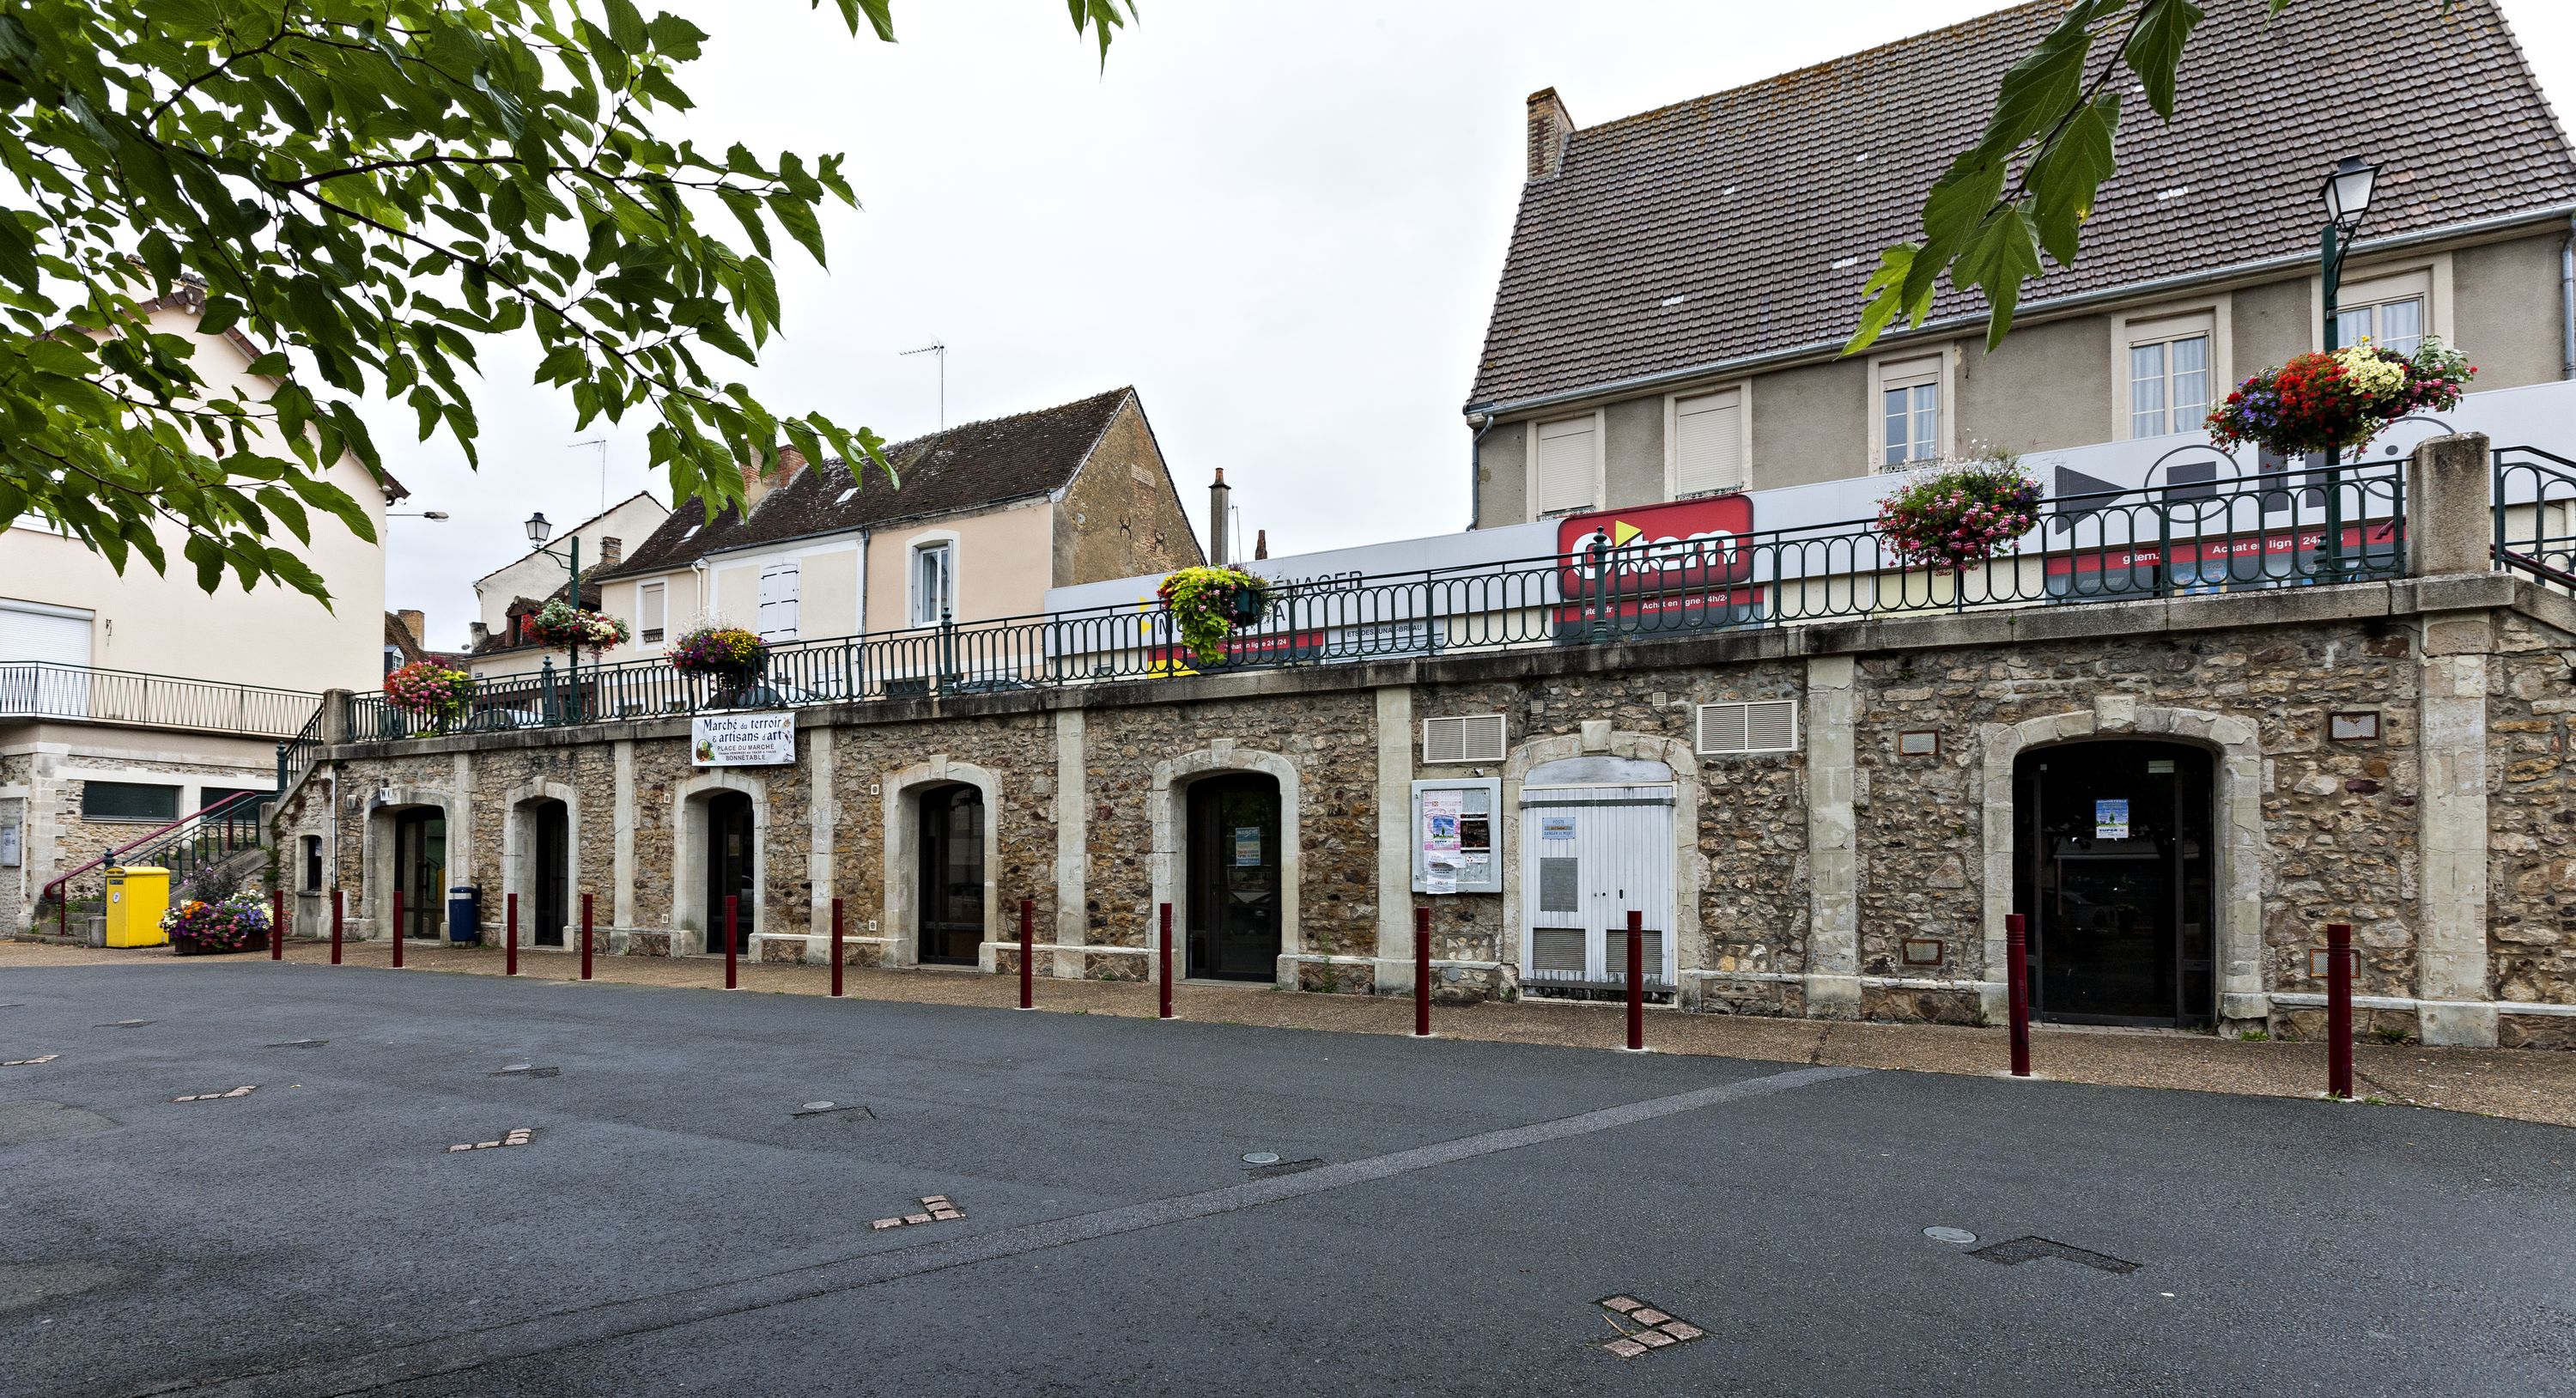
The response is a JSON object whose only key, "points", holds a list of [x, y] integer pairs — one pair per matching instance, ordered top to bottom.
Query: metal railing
{"points": [[2535, 515], [2285, 529], [43, 689], [296, 755], [182, 846]]}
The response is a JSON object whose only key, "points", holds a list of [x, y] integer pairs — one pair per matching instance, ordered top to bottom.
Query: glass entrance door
{"points": [[729, 851], [420, 870], [553, 873], [2114, 874], [951, 887], [1234, 908]]}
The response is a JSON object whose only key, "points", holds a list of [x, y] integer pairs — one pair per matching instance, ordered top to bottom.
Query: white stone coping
{"points": [[1874, 982], [2308, 1001]]}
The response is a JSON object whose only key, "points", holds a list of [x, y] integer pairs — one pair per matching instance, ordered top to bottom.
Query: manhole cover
{"points": [[1262, 1157], [1949, 1235]]}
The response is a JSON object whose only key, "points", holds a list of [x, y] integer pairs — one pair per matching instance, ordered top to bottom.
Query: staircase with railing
{"points": [[223, 830]]}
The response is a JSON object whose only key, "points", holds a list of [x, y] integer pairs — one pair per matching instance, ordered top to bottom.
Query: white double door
{"points": [[1590, 854]]}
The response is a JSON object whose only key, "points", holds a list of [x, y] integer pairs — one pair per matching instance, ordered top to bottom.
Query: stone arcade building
{"points": [[1829, 819]]}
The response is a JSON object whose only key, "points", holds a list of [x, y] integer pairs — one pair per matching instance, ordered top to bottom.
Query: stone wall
{"points": [[1805, 872]]}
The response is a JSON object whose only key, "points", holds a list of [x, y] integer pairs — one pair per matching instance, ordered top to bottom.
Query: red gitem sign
{"points": [[1658, 564]]}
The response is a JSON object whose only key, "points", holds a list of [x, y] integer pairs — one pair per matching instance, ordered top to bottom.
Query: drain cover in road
{"points": [[301, 1043], [29, 1062], [522, 1070], [243, 1091], [848, 1109], [519, 1136], [936, 1208], [2019, 1250], [1643, 1327]]}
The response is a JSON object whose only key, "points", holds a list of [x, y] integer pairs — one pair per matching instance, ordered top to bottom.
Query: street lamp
{"points": [[2347, 196], [539, 530]]}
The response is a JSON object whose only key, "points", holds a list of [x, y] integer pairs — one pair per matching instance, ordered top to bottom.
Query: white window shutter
{"points": [[1708, 443], [1565, 457], [778, 589], [652, 611], [50, 637], [1770, 725], [1469, 738]]}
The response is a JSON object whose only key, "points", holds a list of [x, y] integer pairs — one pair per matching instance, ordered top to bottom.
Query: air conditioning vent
{"points": [[1770, 725], [1472, 738]]}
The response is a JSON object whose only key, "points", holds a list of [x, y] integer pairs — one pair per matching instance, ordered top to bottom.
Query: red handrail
{"points": [[53, 892]]}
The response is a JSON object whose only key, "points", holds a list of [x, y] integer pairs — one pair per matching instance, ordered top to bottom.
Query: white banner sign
{"points": [[743, 740]]}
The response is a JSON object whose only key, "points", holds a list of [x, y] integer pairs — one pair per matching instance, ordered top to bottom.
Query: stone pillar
{"points": [[2450, 524], [335, 717], [822, 811], [460, 821], [2451, 832], [1395, 840], [1072, 843], [1833, 865], [621, 898]]}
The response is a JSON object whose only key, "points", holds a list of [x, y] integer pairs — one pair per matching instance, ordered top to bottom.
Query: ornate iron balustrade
{"points": [[2535, 515], [80, 693]]}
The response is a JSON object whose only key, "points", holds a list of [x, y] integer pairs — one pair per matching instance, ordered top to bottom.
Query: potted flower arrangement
{"points": [[2339, 401], [1952, 514], [1209, 603], [560, 623], [727, 653], [429, 689], [236, 922]]}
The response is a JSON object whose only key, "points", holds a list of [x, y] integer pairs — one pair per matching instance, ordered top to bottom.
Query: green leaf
{"points": [[2154, 50], [2042, 85], [2062, 181], [1999, 256], [1885, 295]]}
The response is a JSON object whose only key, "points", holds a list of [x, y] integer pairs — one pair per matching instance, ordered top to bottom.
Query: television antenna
{"points": [[940, 348], [602, 444]]}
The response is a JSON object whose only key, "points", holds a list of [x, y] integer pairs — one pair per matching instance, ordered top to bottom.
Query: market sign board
{"points": [[743, 740]]}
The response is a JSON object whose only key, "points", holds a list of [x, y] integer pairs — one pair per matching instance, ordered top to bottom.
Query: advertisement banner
{"points": [[1662, 567], [743, 740]]}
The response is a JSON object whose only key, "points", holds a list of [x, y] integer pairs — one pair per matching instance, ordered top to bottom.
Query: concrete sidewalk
{"points": [[2521, 1084]]}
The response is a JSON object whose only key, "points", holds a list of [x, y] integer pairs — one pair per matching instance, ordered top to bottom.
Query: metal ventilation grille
{"points": [[1768, 726], [1474, 738]]}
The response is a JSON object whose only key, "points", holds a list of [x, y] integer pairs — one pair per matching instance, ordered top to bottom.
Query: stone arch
{"points": [[1603, 741], [1172, 778], [2237, 825], [376, 848], [519, 853], [902, 853], [690, 917]]}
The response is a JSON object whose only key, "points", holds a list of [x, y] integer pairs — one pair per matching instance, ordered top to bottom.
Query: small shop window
{"points": [[128, 801]]}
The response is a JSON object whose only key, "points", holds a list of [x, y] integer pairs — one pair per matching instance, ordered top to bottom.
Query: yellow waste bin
{"points": [[136, 900]]}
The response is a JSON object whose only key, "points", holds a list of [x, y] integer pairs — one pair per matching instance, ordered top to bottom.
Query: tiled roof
{"points": [[1764, 207], [963, 468]]}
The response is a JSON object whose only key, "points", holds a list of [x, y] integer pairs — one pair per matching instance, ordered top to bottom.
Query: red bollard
{"points": [[337, 917], [277, 924], [398, 929], [732, 930], [510, 936], [585, 936], [836, 946], [1028, 954], [1166, 961], [1422, 973], [1636, 981], [2017, 989], [2339, 1009]]}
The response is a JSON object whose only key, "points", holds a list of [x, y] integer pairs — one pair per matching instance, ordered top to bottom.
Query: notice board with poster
{"points": [[1457, 834]]}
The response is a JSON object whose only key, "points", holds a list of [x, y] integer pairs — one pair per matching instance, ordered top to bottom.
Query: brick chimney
{"points": [[1549, 129], [756, 486], [1220, 501], [1260, 544], [611, 549], [416, 625]]}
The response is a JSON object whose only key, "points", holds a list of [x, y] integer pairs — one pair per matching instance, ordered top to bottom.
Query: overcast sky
{"points": [[1282, 224]]}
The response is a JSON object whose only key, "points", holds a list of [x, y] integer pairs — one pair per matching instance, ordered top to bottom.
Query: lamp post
{"points": [[2347, 198], [538, 532]]}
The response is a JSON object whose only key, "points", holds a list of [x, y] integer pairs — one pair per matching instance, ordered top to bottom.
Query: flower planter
{"points": [[2338, 402], [1207, 604]]}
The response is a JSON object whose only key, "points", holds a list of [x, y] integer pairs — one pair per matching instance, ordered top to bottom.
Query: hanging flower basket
{"points": [[2339, 401], [1948, 516], [1208, 604], [560, 623], [726, 653], [429, 689], [236, 923]]}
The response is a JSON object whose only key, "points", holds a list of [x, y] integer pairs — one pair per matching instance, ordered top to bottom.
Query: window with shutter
{"points": [[1708, 443], [1565, 466], [778, 590], [652, 612], [1769, 725], [1471, 738]]}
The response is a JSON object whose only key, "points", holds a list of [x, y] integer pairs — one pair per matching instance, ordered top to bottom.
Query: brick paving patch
{"points": [[1642, 1328]]}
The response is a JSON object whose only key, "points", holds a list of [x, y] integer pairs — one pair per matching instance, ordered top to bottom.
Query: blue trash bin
{"points": [[465, 913]]}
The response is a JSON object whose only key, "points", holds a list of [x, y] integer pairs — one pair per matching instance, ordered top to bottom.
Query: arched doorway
{"points": [[729, 865], [2114, 868], [420, 870], [550, 871], [1234, 877], [950, 887]]}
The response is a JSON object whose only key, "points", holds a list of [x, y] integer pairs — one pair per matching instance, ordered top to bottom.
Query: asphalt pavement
{"points": [[1439, 1217]]}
